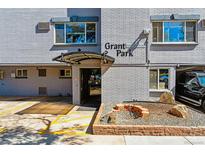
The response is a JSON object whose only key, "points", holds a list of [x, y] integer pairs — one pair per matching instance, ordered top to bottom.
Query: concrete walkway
{"points": [[70, 129], [139, 140], [145, 140]]}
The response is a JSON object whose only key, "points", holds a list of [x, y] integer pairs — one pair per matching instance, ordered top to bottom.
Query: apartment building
{"points": [[111, 55]]}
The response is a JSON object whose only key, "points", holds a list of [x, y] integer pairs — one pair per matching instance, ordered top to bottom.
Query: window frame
{"points": [[185, 39], [54, 40], [39, 72], [65, 73], [158, 73], [1, 74], [23, 77]]}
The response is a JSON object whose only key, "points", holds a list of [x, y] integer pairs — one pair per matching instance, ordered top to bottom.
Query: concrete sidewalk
{"points": [[145, 140]]}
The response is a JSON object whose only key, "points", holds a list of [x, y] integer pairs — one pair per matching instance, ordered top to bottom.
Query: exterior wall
{"points": [[124, 26], [22, 43], [179, 53], [125, 84], [29, 86]]}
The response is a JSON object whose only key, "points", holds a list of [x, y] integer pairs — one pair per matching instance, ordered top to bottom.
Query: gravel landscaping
{"points": [[159, 116]]}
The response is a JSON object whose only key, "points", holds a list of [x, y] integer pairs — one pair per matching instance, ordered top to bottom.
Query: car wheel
{"points": [[203, 105]]}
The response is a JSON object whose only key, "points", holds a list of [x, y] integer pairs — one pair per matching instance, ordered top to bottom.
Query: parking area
{"points": [[42, 120]]}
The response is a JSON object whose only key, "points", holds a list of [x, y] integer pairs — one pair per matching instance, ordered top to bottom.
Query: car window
{"points": [[201, 80]]}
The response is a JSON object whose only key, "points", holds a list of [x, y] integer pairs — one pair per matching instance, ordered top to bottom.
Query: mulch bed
{"points": [[159, 116]]}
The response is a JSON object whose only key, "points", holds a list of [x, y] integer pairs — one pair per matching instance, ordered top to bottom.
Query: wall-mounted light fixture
{"points": [[146, 31]]}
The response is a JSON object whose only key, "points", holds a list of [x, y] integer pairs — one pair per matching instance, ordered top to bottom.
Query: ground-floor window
{"points": [[42, 72], [21, 73], [65, 73], [1, 74], [159, 79]]}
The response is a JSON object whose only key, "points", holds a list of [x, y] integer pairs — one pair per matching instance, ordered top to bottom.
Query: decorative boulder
{"points": [[167, 97], [179, 111], [109, 117], [112, 118]]}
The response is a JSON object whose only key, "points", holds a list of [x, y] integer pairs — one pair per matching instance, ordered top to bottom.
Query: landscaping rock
{"points": [[167, 97], [119, 107], [137, 109], [179, 111], [105, 117], [109, 117], [112, 118]]}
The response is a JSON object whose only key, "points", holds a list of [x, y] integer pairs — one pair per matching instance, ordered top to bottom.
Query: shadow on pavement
{"points": [[22, 136]]}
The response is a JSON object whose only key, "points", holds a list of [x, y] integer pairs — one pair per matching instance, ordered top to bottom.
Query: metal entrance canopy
{"points": [[77, 57]]}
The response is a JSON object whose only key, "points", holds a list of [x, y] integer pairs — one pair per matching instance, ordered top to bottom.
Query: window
{"points": [[59, 31], [173, 31], [177, 31], [190, 31], [157, 32], [75, 33], [90, 33], [42, 72], [21, 73], [65, 73], [1, 75], [153, 79], [159, 79], [42, 91]]}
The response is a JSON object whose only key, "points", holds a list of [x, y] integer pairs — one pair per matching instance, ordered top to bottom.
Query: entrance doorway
{"points": [[90, 86]]}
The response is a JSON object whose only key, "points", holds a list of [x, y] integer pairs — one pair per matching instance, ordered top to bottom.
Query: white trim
{"points": [[159, 90]]}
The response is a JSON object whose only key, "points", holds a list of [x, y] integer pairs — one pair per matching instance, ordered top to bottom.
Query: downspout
{"points": [[146, 34], [147, 50]]}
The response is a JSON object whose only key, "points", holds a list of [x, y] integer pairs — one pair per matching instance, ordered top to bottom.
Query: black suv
{"points": [[190, 87]]}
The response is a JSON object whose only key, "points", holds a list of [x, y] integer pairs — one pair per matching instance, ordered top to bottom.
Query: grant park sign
{"points": [[120, 49]]}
